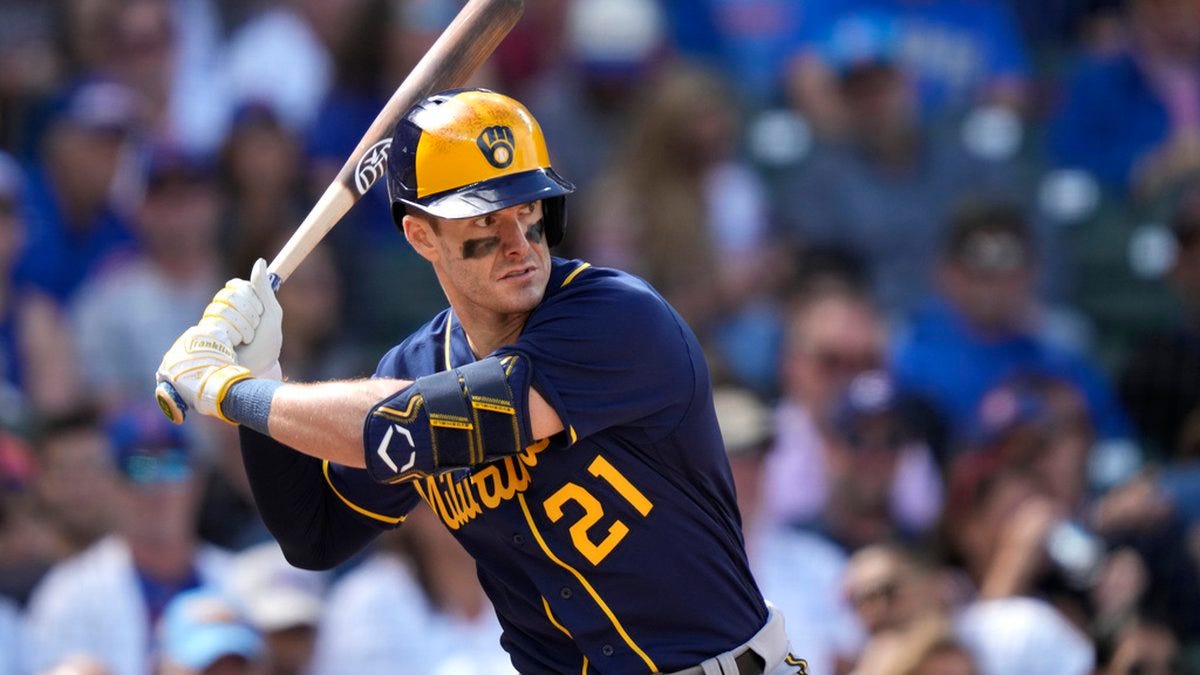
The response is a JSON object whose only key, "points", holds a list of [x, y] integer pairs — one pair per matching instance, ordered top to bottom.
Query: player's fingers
{"points": [[260, 279], [244, 295], [240, 297], [222, 313]]}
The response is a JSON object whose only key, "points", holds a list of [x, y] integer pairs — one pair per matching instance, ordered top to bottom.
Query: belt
{"points": [[768, 646], [750, 663]]}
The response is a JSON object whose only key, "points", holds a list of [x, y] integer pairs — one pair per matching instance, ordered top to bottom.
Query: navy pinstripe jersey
{"points": [[615, 546]]}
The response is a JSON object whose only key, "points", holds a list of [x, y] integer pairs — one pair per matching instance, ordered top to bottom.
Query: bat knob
{"points": [[171, 402]]}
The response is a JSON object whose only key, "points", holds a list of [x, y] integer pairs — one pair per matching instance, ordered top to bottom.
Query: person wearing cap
{"points": [[957, 54], [883, 186], [74, 222], [168, 279], [984, 322], [833, 333], [867, 428], [748, 431], [106, 600], [283, 603], [428, 609], [202, 632]]}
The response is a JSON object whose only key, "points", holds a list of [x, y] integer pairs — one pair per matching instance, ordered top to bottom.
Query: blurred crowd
{"points": [[944, 257]]}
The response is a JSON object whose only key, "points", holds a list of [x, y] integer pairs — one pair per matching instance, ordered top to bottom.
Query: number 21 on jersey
{"points": [[593, 510]]}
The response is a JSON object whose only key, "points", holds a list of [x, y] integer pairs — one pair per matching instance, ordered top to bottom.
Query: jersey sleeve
{"points": [[606, 350], [380, 506], [314, 529]]}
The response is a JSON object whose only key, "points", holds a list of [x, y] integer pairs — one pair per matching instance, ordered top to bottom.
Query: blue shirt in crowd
{"points": [[953, 49], [1109, 118], [59, 257], [953, 367]]}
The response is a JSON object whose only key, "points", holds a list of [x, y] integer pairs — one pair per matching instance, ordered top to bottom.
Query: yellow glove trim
{"points": [[226, 377]]}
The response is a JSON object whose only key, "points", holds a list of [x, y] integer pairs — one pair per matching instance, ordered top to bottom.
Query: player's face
{"points": [[496, 263]]}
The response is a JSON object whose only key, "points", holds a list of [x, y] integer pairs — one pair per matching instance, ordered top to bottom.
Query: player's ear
{"points": [[420, 234]]}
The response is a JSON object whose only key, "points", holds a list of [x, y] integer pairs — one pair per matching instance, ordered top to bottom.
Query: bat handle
{"points": [[276, 281], [171, 402]]}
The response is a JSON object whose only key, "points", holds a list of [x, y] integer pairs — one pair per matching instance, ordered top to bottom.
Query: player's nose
{"points": [[512, 230]]}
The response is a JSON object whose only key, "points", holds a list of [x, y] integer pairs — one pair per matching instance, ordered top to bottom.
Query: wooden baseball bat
{"points": [[465, 44]]}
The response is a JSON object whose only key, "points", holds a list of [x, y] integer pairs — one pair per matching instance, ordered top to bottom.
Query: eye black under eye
{"points": [[535, 231], [477, 248]]}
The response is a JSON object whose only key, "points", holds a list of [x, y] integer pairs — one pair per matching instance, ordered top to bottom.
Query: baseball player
{"points": [[557, 418]]}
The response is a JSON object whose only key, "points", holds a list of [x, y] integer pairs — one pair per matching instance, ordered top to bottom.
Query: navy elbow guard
{"points": [[449, 420]]}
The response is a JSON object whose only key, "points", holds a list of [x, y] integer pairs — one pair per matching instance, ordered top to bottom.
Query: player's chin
{"points": [[522, 296], [523, 299]]}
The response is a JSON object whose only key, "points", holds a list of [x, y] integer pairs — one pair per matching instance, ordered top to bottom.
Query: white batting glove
{"points": [[251, 316], [261, 353], [201, 365]]}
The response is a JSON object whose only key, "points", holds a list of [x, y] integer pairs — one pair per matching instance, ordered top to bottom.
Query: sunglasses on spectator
{"points": [[838, 361], [886, 440], [163, 466], [884, 591]]}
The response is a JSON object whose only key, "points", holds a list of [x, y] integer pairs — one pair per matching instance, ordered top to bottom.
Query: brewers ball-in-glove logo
{"points": [[496, 144]]}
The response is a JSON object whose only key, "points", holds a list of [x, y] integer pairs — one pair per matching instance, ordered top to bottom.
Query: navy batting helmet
{"points": [[467, 152]]}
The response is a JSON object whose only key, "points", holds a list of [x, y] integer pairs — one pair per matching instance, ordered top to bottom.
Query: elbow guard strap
{"points": [[450, 420]]}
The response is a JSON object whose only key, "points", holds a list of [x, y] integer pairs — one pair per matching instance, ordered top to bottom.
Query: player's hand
{"points": [[249, 314], [260, 353], [201, 365]]}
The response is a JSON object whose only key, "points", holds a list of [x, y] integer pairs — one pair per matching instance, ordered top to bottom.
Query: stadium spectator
{"points": [[299, 33], [386, 40], [749, 42], [958, 54], [587, 99], [1131, 117], [262, 166], [884, 187], [679, 208], [74, 222], [175, 265], [984, 323], [833, 334], [317, 347], [39, 375], [1160, 382], [746, 427], [74, 484], [1024, 522], [30, 542], [799, 565], [106, 601], [282, 603], [427, 610], [204, 633], [1023, 635], [1141, 645], [928, 646], [78, 664]]}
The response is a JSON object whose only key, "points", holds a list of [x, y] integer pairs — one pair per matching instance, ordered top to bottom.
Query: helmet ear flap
{"points": [[398, 211], [554, 213]]}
